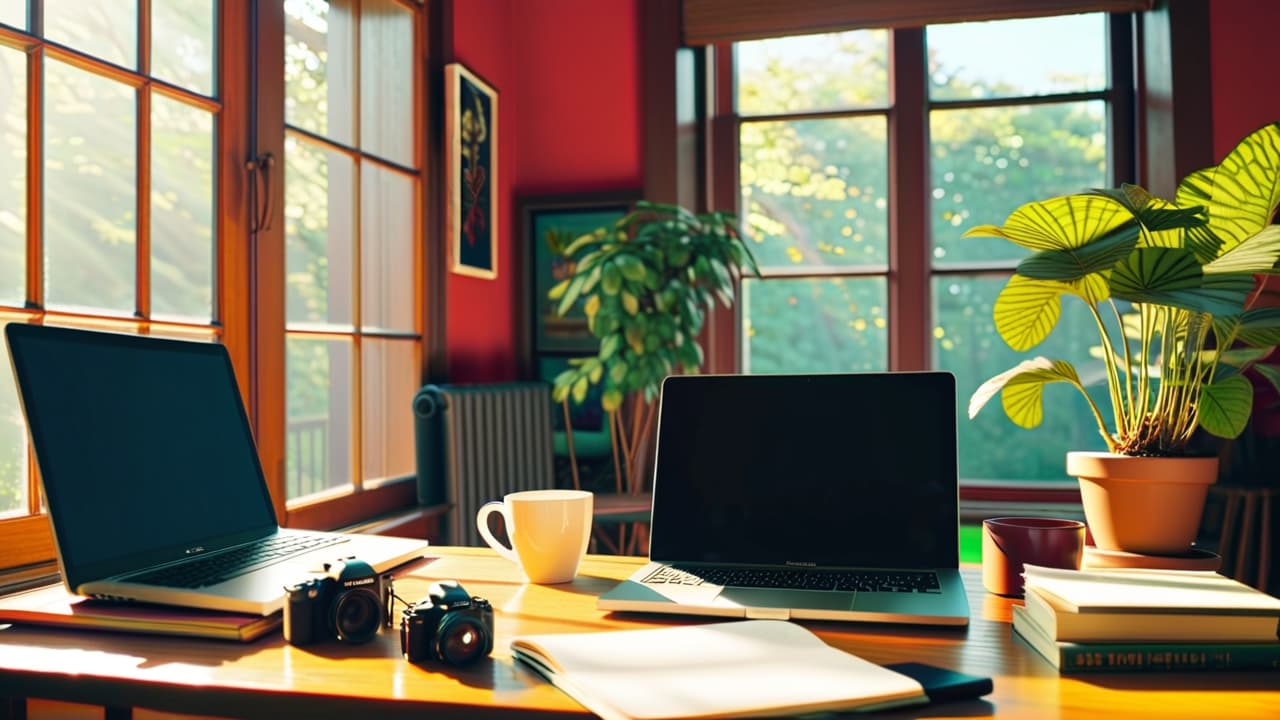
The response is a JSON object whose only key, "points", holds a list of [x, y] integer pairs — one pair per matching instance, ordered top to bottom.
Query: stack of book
{"points": [[1119, 620]]}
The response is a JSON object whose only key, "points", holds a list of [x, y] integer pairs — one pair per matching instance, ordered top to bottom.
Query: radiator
{"points": [[476, 443]]}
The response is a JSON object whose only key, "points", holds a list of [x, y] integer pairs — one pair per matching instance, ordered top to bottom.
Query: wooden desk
{"points": [[269, 678]]}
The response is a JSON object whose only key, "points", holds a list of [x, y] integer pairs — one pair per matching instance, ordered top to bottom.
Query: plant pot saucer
{"points": [[1193, 559]]}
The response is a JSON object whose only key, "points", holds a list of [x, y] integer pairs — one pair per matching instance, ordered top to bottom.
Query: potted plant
{"points": [[645, 284], [1172, 287]]}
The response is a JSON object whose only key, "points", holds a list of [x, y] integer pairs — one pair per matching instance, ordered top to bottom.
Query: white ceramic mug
{"points": [[549, 530]]}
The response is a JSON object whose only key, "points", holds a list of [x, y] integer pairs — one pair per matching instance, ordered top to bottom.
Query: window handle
{"points": [[260, 192]]}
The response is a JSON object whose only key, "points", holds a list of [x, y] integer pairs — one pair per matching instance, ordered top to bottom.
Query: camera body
{"points": [[349, 603], [449, 625]]}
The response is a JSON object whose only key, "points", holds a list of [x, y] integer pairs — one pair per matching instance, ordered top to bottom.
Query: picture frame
{"points": [[471, 166], [561, 219]]}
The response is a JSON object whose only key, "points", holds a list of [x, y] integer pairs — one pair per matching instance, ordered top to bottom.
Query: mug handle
{"points": [[482, 525]]}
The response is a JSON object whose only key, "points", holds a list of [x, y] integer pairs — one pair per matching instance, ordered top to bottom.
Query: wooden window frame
{"points": [[910, 271], [248, 285], [357, 502]]}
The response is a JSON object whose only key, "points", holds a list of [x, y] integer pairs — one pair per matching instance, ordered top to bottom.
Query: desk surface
{"points": [[269, 678]]}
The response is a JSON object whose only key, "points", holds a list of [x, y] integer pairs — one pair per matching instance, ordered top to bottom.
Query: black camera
{"points": [[349, 604], [449, 625]]}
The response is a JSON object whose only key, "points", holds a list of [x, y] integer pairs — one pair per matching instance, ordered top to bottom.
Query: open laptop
{"points": [[151, 477], [829, 496]]}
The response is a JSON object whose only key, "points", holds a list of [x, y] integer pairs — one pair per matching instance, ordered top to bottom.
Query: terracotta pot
{"points": [[1148, 505]]}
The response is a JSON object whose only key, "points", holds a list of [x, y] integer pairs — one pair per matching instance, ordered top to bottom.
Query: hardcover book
{"points": [[1151, 591], [52, 605], [1132, 625], [1120, 656]]}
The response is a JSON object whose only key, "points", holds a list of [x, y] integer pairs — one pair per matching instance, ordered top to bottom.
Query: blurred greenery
{"points": [[89, 185], [815, 199]]}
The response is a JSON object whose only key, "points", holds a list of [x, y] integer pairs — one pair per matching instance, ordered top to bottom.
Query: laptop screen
{"points": [[143, 446], [846, 470]]}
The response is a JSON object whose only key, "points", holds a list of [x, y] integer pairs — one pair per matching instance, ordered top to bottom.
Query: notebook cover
{"points": [[53, 606]]}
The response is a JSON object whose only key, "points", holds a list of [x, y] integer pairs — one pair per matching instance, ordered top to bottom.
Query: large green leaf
{"points": [[1246, 187], [1195, 190], [1061, 223], [1164, 224], [1257, 253], [1075, 263], [1146, 271], [1171, 276], [1027, 310], [1259, 327], [1270, 373], [1021, 389], [1225, 406]]}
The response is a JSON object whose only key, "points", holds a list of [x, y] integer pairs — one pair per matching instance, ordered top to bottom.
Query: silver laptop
{"points": [[151, 477], [825, 497]]}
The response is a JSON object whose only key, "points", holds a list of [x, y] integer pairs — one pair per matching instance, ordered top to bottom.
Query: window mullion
{"points": [[908, 191]]}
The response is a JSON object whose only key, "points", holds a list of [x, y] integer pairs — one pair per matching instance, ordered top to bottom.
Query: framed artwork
{"points": [[471, 165], [551, 223]]}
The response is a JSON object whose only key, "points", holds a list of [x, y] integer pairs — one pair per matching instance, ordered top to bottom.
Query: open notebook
{"points": [[748, 667]]}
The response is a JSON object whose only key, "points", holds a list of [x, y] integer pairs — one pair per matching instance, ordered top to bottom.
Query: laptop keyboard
{"points": [[222, 566], [846, 580]]}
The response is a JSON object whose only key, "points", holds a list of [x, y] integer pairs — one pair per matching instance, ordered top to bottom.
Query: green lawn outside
{"points": [[971, 543]]}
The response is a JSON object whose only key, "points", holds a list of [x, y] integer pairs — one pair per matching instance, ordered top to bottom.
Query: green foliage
{"points": [[1187, 268], [646, 283]]}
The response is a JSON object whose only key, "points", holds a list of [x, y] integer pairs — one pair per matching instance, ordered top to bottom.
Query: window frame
{"points": [[910, 270], [248, 281]]}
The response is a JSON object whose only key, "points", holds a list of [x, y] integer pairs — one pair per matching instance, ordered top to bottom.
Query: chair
{"points": [[629, 511]]}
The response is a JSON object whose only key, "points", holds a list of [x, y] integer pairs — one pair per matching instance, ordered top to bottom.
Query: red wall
{"points": [[1242, 56], [566, 72], [579, 94]]}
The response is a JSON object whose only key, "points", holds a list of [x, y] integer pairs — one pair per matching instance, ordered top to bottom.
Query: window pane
{"points": [[14, 13], [108, 30], [182, 43], [1007, 58], [319, 62], [813, 72], [387, 96], [986, 162], [13, 176], [319, 186], [90, 190], [815, 191], [181, 210], [386, 250], [828, 325], [966, 343], [391, 378], [318, 432], [13, 450]]}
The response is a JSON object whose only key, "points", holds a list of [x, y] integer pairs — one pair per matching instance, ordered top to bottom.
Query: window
{"points": [[107, 116], [846, 196], [125, 202], [352, 232]]}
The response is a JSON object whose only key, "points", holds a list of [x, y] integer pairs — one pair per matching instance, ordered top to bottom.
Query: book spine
{"points": [[1175, 657]]}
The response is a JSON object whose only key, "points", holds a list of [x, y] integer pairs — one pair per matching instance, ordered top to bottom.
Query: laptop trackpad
{"points": [[788, 598]]}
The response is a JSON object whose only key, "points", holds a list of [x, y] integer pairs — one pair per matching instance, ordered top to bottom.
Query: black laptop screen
{"points": [[143, 445], [847, 470]]}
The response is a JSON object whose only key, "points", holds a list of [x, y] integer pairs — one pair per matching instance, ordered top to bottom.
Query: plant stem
{"points": [[1128, 362], [1113, 385]]}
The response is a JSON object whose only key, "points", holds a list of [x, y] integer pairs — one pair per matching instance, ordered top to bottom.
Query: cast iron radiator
{"points": [[476, 443]]}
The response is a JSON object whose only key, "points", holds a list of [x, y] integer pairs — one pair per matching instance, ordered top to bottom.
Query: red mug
{"points": [[1009, 543]]}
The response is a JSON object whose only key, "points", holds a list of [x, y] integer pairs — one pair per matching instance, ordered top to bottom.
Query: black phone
{"points": [[941, 684]]}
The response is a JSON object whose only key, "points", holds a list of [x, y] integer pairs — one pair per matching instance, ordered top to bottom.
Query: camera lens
{"points": [[357, 614], [462, 640]]}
